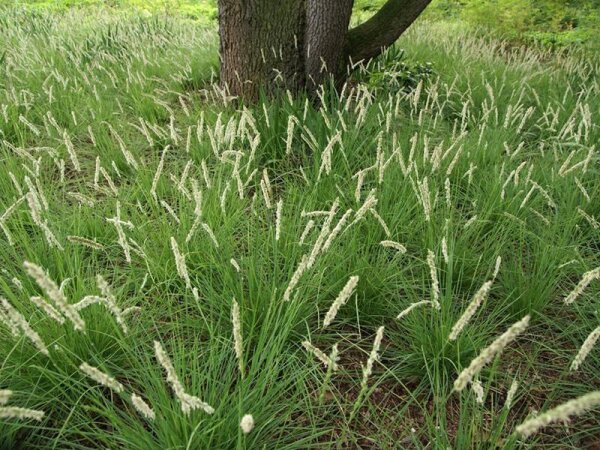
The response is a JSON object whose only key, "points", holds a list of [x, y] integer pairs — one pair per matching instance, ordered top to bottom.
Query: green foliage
{"points": [[201, 10], [549, 22], [553, 23], [393, 72]]}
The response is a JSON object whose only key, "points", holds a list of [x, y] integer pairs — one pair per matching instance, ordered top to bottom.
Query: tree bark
{"points": [[327, 24], [298, 44], [261, 45]]}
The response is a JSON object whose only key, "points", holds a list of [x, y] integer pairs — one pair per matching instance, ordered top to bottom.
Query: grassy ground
{"points": [[201, 10], [120, 158]]}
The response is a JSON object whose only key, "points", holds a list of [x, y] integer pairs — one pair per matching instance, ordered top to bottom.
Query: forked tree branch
{"points": [[368, 39]]}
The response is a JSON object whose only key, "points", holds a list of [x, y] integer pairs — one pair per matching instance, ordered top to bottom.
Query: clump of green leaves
{"points": [[395, 72]]}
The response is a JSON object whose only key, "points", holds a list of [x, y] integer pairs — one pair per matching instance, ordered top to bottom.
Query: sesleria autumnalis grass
{"points": [[463, 201]]}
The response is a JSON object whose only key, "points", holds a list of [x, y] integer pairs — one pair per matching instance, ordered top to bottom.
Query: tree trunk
{"points": [[326, 29], [261, 45], [297, 45]]}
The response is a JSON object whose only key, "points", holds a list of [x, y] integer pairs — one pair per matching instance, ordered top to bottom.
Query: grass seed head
{"points": [[587, 278], [435, 284], [478, 298], [341, 300], [17, 321], [585, 349], [489, 353], [101, 378], [5, 395], [142, 407], [15, 412], [561, 413], [247, 423]]}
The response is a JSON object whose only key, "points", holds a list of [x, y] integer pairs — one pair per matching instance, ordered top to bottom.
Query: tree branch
{"points": [[368, 39]]}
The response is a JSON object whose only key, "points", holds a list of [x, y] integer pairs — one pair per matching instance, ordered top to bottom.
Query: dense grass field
{"points": [[172, 260]]}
